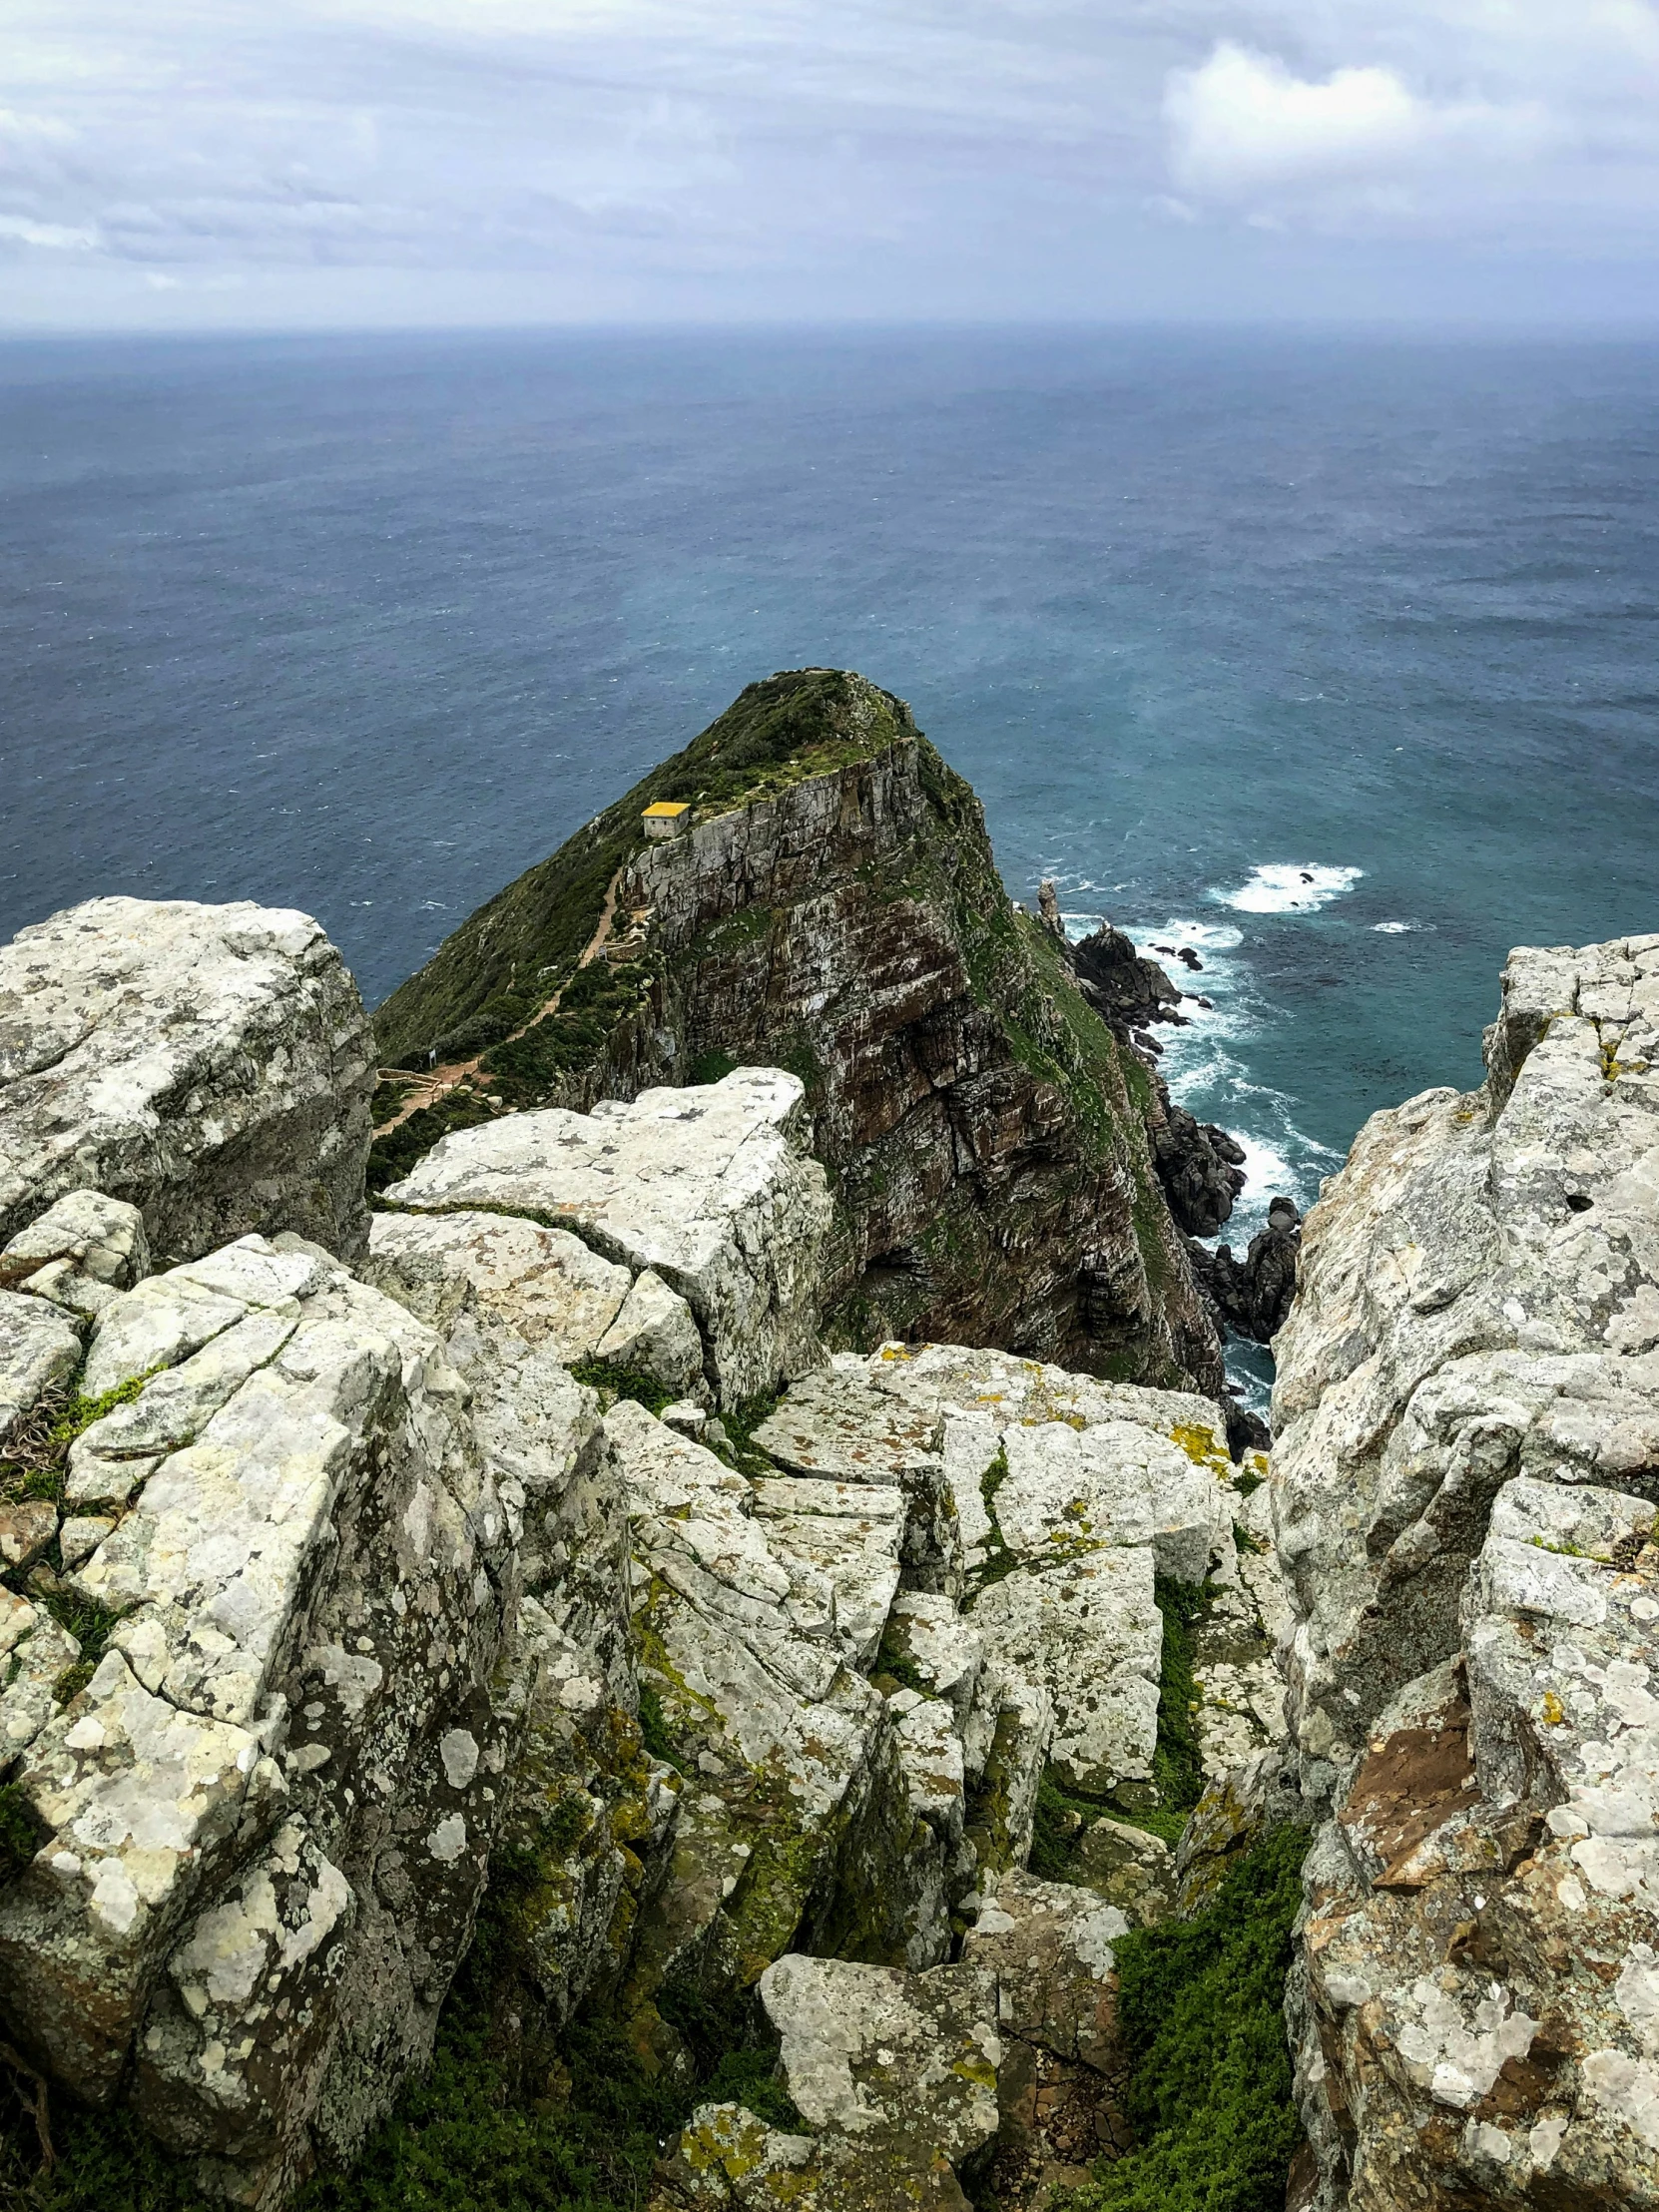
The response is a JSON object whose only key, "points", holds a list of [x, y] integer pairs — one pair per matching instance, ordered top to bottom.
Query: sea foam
{"points": [[1290, 887]]}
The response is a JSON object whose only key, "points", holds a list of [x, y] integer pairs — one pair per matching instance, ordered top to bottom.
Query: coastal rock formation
{"points": [[832, 907], [1129, 990], [211, 1065], [1200, 1166], [709, 1192], [1252, 1297], [1468, 1413], [335, 1602], [261, 1799]]}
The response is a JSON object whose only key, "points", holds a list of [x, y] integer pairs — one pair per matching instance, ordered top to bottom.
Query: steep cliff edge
{"points": [[831, 906], [1464, 1490], [422, 1709]]}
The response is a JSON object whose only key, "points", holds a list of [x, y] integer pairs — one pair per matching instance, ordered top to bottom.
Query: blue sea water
{"points": [[1331, 657]]}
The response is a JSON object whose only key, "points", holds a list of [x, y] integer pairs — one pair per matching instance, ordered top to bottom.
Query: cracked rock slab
{"points": [[210, 1065], [713, 1188], [1089, 1633], [874, 2055]]}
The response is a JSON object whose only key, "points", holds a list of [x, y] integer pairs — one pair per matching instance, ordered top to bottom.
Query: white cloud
{"points": [[1242, 126], [61, 235]]}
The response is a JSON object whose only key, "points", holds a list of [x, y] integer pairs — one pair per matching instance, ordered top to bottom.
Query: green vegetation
{"points": [[508, 958], [392, 1156], [613, 1381], [37, 1451], [743, 1455], [999, 1561], [90, 1624], [655, 1731], [1177, 1763], [19, 1834], [1201, 2012], [573, 2126]]}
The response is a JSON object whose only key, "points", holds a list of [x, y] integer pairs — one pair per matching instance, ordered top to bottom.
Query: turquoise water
{"points": [[367, 627]]}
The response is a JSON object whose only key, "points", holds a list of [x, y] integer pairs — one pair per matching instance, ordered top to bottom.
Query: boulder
{"points": [[210, 1065], [711, 1188], [80, 1254], [39, 1348], [835, 1424], [752, 1625], [1088, 1632], [265, 1818], [903, 2067], [1064, 2072]]}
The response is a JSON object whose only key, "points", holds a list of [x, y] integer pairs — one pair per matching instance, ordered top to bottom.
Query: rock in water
{"points": [[834, 908], [1130, 990], [212, 1065], [1251, 1298], [1468, 1416]]}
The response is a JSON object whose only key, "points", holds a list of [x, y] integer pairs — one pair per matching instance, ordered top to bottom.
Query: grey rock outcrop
{"points": [[211, 1065], [710, 1191], [1468, 1413], [325, 1585], [265, 1818], [1003, 2068]]}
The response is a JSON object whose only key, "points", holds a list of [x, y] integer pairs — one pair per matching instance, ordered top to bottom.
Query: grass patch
{"points": [[612, 1383], [37, 1451], [744, 1455], [90, 1624], [655, 1731], [21, 1834], [1201, 2012]]}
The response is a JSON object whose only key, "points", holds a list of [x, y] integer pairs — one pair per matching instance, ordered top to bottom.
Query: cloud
{"points": [[1243, 127], [690, 157], [61, 236]]}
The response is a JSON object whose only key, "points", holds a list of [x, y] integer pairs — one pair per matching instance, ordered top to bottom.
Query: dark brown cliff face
{"points": [[985, 1130]]}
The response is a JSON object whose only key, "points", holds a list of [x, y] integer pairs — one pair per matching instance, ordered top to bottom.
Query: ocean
{"points": [[1334, 658]]}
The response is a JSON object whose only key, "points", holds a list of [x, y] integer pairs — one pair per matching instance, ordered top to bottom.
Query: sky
{"points": [[232, 164]]}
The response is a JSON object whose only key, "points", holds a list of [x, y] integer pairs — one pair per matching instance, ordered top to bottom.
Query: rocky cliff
{"points": [[831, 906], [1463, 1490], [530, 1628]]}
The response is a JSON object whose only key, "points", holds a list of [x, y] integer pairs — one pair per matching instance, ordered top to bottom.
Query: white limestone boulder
{"points": [[211, 1065], [711, 1188], [80, 1254], [547, 1286], [39, 1348], [834, 1425], [756, 1602], [272, 1800], [883, 2058]]}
